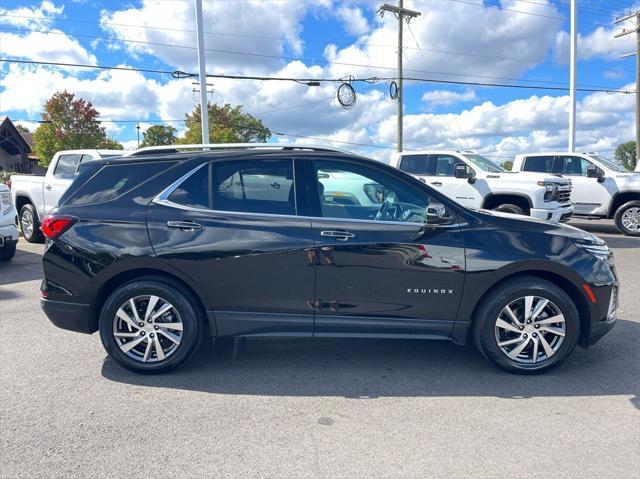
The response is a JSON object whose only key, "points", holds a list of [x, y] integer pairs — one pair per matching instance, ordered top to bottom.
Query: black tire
{"points": [[510, 208], [618, 218], [35, 236], [7, 252], [184, 306], [484, 324]]}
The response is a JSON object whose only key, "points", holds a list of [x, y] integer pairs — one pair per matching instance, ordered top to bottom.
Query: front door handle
{"points": [[436, 183], [48, 187], [184, 225], [338, 235]]}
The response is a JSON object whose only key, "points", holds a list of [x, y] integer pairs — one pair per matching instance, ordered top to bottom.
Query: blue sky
{"points": [[511, 42]]}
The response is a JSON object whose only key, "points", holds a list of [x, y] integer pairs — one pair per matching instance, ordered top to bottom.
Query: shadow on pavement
{"points": [[25, 266], [370, 368]]}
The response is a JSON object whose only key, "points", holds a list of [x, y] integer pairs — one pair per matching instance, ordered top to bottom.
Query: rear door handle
{"points": [[436, 183], [184, 225], [338, 235]]}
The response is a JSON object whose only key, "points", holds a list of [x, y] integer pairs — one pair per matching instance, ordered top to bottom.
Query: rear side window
{"points": [[414, 164], [543, 164], [67, 166], [115, 180], [258, 186]]}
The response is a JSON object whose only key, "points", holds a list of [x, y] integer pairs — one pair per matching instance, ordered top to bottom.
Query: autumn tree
{"points": [[68, 123], [227, 124], [159, 135], [625, 154]]}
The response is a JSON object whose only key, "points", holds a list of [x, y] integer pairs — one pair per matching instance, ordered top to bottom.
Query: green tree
{"points": [[69, 123], [227, 124], [22, 129], [159, 135], [110, 144], [625, 154], [507, 165]]}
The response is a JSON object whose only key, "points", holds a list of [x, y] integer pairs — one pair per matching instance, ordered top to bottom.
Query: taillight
{"points": [[53, 226]]}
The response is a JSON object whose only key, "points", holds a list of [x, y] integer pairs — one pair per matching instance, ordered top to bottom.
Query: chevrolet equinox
{"points": [[158, 250]]}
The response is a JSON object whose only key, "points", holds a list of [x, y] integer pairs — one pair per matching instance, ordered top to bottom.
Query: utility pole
{"points": [[401, 13], [625, 32], [572, 77], [204, 104], [138, 128]]}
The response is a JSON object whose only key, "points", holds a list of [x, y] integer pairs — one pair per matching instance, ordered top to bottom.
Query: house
{"points": [[16, 149]]}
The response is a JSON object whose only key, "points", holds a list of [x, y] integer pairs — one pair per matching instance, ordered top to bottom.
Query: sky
{"points": [[507, 42]]}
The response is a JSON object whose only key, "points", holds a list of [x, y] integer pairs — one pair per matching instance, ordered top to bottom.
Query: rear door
{"points": [[241, 239], [382, 268]]}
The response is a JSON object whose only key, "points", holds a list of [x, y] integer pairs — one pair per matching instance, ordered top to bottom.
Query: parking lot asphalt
{"points": [[314, 407]]}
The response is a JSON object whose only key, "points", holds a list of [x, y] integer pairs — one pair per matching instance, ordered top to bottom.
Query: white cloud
{"points": [[31, 17], [353, 20], [55, 47], [447, 97]]}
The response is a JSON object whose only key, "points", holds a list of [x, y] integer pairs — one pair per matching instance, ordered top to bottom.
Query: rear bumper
{"points": [[557, 215], [71, 316]]}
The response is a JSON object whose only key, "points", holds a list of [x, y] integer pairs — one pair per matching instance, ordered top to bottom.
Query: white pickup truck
{"points": [[476, 182], [602, 188], [35, 196], [8, 230]]}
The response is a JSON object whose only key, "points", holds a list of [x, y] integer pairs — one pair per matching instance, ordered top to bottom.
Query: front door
{"points": [[442, 178], [56, 184], [589, 196], [233, 228], [383, 267]]}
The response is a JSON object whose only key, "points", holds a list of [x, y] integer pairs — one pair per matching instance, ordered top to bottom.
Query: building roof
{"points": [[11, 140]]}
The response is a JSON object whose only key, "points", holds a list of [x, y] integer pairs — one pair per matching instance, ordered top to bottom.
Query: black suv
{"points": [[157, 251]]}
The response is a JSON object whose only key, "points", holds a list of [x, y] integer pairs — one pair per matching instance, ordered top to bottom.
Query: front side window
{"points": [[414, 164], [485, 164], [542, 164], [445, 165], [572, 165], [612, 165], [67, 166], [254, 186], [372, 195]]}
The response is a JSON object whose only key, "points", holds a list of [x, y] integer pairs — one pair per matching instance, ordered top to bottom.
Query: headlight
{"points": [[551, 190], [600, 251]]}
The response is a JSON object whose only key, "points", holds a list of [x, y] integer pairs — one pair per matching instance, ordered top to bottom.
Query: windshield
{"points": [[485, 164], [612, 165]]}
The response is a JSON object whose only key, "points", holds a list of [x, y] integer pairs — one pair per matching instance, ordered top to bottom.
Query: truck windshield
{"points": [[485, 164], [612, 165]]}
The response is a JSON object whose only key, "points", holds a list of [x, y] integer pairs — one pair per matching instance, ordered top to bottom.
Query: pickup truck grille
{"points": [[564, 194]]}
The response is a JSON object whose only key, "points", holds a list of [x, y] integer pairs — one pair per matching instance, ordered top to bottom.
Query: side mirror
{"points": [[463, 171], [594, 172], [437, 214]]}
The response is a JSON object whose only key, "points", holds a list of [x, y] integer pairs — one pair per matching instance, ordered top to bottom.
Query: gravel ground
{"points": [[314, 408]]}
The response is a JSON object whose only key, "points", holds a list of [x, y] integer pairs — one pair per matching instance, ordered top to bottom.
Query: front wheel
{"points": [[510, 208], [627, 218], [30, 225], [7, 252], [148, 326], [527, 326]]}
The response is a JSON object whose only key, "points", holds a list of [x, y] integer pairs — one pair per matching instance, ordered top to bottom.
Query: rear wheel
{"points": [[510, 208], [627, 218], [30, 225], [7, 252], [149, 326], [527, 326]]}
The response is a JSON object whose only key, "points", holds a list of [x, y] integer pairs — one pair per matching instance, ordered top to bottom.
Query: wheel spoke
{"points": [[153, 300], [542, 303], [528, 304], [134, 310], [161, 311], [512, 316], [558, 318], [127, 319], [501, 323], [175, 326], [556, 331], [126, 335], [170, 336], [510, 341], [131, 344], [536, 344], [548, 350], [147, 351], [159, 351], [513, 354]]}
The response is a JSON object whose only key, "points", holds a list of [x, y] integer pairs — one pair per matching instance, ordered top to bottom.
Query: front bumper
{"points": [[557, 215], [8, 235], [71, 316], [606, 318]]}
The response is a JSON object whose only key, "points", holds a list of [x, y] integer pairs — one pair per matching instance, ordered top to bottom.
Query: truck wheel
{"points": [[510, 208], [627, 218], [30, 225], [7, 252], [526, 326]]}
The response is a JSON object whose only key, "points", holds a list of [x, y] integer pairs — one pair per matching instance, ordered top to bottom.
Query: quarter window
{"points": [[67, 166], [194, 191]]}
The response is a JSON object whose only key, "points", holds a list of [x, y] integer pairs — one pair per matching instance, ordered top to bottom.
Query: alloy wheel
{"points": [[631, 219], [26, 223], [147, 328], [530, 329]]}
